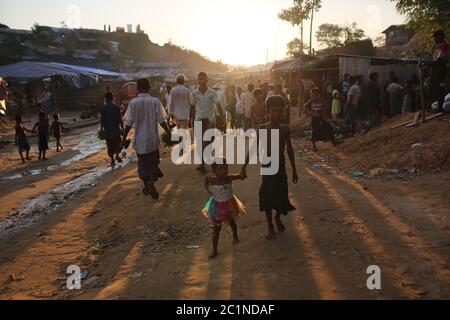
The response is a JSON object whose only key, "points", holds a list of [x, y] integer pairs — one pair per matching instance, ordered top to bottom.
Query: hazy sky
{"points": [[234, 31]]}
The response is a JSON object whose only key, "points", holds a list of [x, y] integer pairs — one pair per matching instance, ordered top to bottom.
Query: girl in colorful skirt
{"points": [[223, 207]]}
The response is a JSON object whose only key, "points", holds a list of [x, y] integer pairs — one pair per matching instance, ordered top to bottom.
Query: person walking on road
{"points": [[144, 114]]}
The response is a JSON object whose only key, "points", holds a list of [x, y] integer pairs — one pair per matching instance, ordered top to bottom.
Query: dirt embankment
{"points": [[420, 149]]}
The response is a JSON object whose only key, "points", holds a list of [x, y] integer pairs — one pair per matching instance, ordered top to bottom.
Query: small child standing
{"points": [[336, 106], [42, 127], [56, 130], [21, 138], [223, 207]]}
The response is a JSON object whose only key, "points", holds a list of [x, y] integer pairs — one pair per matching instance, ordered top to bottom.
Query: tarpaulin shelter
{"points": [[70, 75], [70, 86]]}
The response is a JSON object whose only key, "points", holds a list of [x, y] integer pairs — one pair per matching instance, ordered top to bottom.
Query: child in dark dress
{"points": [[42, 127], [56, 130], [21, 138], [274, 193]]}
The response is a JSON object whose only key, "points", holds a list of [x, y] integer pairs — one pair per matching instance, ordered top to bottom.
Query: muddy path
{"points": [[135, 248]]}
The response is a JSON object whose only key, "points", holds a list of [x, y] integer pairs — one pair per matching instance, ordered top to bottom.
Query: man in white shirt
{"points": [[354, 94], [248, 100], [180, 103], [206, 103], [144, 114]]}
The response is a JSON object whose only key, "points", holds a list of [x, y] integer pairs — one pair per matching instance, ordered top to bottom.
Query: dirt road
{"points": [[135, 248]]}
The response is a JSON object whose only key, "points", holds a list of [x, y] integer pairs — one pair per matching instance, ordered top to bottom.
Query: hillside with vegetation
{"points": [[110, 50]]}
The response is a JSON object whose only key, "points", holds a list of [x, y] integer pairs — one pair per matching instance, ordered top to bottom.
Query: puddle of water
{"points": [[86, 145], [32, 210]]}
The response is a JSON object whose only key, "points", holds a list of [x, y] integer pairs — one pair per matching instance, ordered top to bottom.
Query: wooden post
{"points": [[290, 87], [301, 95], [422, 98]]}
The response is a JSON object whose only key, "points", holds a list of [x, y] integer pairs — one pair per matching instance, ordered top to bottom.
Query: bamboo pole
{"points": [[415, 119], [426, 119]]}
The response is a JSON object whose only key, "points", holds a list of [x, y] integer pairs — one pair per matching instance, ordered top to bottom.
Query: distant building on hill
{"points": [[398, 35], [400, 41]]}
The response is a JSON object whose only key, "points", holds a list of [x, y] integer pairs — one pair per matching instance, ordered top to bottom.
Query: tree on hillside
{"points": [[296, 15], [426, 16], [353, 34], [42, 35], [329, 35], [333, 36], [379, 41], [69, 43], [296, 46]]}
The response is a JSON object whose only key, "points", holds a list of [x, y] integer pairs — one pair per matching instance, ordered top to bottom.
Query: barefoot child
{"points": [[56, 130], [43, 134], [21, 138], [274, 193], [224, 206]]}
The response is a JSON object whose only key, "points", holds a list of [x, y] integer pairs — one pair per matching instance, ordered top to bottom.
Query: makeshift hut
{"points": [[335, 66], [288, 72], [71, 87]]}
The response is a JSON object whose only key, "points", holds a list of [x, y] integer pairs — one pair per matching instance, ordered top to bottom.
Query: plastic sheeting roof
{"points": [[99, 72], [74, 76]]}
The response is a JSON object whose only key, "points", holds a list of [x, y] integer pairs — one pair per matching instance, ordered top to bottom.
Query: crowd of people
{"points": [[356, 98], [217, 107], [231, 107], [235, 107]]}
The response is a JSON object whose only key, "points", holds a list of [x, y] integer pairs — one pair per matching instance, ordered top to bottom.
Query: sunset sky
{"points": [[233, 31]]}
